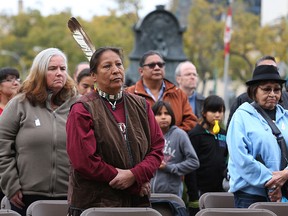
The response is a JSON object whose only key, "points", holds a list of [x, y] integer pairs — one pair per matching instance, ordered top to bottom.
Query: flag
{"points": [[227, 33], [227, 39]]}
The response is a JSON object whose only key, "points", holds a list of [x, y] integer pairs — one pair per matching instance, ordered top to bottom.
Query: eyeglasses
{"points": [[153, 65], [190, 74], [11, 80], [268, 90]]}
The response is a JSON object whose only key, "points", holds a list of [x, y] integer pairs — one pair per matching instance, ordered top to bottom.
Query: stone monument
{"points": [[159, 30]]}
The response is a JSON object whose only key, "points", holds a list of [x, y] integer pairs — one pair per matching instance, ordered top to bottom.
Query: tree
{"points": [[129, 6], [27, 34], [203, 40]]}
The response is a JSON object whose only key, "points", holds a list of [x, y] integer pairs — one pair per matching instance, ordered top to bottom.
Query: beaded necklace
{"points": [[109, 97]]}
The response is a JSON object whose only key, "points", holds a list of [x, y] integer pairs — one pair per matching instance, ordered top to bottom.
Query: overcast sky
{"points": [[83, 8], [273, 9]]}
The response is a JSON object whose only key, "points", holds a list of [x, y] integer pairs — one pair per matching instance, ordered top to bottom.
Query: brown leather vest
{"points": [[114, 150]]}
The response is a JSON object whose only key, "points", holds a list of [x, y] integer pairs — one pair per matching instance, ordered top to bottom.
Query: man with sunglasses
{"points": [[153, 86]]}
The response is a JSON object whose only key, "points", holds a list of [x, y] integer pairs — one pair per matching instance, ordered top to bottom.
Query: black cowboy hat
{"points": [[265, 73]]}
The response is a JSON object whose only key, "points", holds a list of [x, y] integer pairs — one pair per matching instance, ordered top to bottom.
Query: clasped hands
{"points": [[125, 179], [275, 183]]}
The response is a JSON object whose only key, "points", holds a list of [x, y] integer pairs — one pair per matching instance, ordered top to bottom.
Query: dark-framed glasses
{"points": [[153, 65], [11, 80], [268, 90]]}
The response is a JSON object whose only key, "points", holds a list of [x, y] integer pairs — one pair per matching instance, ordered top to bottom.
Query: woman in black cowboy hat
{"points": [[255, 157]]}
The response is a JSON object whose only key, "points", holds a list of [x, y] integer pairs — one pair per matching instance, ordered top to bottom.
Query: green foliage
{"points": [[129, 6], [27, 34], [203, 40]]}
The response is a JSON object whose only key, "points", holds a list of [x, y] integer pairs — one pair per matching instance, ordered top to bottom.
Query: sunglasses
{"points": [[153, 65]]}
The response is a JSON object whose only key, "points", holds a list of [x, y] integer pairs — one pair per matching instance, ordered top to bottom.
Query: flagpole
{"points": [[227, 38], [226, 68]]}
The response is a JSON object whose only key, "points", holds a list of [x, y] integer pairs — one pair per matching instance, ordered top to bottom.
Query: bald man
{"points": [[187, 80]]}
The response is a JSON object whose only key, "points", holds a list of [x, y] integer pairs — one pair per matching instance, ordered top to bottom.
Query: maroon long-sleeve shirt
{"points": [[82, 144]]}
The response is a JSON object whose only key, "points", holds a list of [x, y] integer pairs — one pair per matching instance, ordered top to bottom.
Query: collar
{"points": [[161, 91], [193, 95], [110, 97]]}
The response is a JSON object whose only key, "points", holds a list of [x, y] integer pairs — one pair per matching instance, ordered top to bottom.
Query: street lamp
{"points": [[16, 57]]}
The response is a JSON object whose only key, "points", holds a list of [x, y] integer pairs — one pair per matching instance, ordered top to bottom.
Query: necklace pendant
{"points": [[113, 105]]}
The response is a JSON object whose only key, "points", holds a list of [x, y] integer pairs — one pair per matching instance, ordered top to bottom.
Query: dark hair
{"points": [[147, 54], [263, 58], [94, 62], [6, 71], [83, 73], [251, 90], [213, 103], [156, 108]]}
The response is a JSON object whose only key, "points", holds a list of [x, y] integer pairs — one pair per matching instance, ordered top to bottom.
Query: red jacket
{"points": [[184, 116]]}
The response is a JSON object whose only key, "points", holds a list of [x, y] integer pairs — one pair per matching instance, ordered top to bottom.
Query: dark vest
{"points": [[114, 150]]}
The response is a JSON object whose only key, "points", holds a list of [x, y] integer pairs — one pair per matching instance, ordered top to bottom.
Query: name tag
{"points": [[37, 122]]}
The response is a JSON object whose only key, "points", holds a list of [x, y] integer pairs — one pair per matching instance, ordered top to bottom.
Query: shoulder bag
{"points": [[280, 140]]}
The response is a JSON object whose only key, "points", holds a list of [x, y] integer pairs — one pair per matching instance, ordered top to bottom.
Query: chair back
{"points": [[167, 196], [216, 200], [5, 203], [168, 204], [48, 208], [279, 208], [123, 211], [8, 212], [234, 212]]}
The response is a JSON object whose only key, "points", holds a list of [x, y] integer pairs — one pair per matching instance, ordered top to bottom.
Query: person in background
{"points": [[265, 60], [79, 68], [187, 79], [85, 82], [9, 85], [153, 86], [113, 141], [209, 142], [254, 155], [179, 156], [34, 164]]}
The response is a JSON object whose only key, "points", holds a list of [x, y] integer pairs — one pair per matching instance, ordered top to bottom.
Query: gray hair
{"points": [[41, 61], [178, 68], [35, 86]]}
